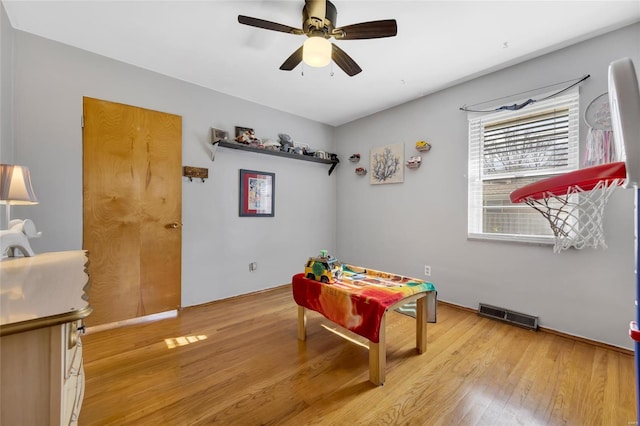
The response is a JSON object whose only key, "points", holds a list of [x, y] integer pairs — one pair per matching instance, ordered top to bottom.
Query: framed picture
{"points": [[242, 130], [218, 135], [386, 164], [257, 193]]}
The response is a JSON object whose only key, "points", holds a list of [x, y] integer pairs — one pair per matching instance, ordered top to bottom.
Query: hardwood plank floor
{"points": [[238, 362]]}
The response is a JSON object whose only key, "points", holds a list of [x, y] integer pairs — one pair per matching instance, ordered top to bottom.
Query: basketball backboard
{"points": [[624, 101]]}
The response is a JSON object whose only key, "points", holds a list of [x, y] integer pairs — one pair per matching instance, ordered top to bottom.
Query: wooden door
{"points": [[132, 188]]}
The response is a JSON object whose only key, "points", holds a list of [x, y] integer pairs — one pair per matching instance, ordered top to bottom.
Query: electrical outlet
{"points": [[253, 266], [427, 270]]}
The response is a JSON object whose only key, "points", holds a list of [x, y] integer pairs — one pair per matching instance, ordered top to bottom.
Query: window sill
{"points": [[527, 239]]}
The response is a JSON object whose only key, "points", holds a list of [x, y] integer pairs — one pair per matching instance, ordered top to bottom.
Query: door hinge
{"points": [[82, 121]]}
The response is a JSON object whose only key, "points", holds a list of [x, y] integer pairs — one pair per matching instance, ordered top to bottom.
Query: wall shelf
{"points": [[242, 147]]}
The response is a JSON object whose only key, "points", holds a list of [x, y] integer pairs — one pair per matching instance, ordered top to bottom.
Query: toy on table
{"points": [[324, 268]]}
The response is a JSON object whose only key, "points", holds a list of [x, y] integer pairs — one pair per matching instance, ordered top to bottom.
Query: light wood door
{"points": [[132, 192]]}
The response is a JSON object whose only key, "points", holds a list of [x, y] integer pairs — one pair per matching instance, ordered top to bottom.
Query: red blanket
{"points": [[359, 299]]}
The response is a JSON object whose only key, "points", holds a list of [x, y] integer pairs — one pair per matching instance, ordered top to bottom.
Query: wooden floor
{"points": [[238, 362]]}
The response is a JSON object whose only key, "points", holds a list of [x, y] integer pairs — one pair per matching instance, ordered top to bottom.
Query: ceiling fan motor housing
{"points": [[313, 22]]}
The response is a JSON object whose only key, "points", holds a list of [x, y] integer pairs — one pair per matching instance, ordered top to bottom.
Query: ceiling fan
{"points": [[318, 24]]}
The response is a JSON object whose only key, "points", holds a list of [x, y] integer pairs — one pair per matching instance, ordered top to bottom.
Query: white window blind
{"points": [[510, 149]]}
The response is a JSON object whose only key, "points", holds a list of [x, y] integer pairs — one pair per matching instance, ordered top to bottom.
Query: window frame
{"points": [[476, 207]]}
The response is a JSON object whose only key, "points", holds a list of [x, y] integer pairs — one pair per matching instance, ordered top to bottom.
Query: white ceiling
{"points": [[439, 43]]}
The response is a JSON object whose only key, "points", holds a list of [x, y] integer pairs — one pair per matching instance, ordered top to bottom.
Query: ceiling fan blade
{"points": [[316, 11], [268, 25], [366, 30], [292, 61], [344, 61]]}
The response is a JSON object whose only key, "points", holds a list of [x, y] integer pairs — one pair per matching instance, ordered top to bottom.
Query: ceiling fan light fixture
{"points": [[316, 52]]}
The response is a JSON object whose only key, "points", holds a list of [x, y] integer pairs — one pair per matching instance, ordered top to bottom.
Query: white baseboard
{"points": [[132, 321]]}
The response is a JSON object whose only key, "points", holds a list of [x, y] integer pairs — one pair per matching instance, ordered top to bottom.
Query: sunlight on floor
{"points": [[345, 336], [183, 340], [509, 411]]}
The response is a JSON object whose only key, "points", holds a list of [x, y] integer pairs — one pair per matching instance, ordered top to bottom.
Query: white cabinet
{"points": [[41, 373]]}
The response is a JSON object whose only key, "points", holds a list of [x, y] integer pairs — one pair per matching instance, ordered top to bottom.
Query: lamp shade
{"points": [[316, 51], [15, 185]]}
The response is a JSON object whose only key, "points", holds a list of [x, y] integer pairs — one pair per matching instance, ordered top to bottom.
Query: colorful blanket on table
{"points": [[360, 298]]}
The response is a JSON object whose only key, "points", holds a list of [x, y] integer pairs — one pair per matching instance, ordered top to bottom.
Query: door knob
{"points": [[173, 225]]}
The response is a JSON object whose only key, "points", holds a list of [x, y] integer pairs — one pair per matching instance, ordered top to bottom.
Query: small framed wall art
{"points": [[385, 164], [257, 193]]}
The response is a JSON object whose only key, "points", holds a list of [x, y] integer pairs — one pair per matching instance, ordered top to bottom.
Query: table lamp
{"points": [[15, 189]]}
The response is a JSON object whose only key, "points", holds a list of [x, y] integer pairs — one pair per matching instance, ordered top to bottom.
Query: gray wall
{"points": [[6, 73], [50, 80], [6, 94], [402, 227]]}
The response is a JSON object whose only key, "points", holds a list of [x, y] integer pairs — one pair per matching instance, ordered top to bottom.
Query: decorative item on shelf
{"points": [[218, 135], [246, 136], [285, 142], [270, 145], [423, 146], [301, 148], [298, 150], [320, 154], [354, 158], [414, 162], [361, 171], [195, 172], [16, 189]]}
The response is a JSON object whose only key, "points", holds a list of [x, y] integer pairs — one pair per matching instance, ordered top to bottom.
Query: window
{"points": [[510, 149]]}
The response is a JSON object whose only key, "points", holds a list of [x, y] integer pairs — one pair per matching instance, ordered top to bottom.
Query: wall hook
{"points": [[195, 172]]}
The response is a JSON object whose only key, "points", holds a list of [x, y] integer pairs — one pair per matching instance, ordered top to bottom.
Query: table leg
{"points": [[302, 324], [421, 324], [378, 355]]}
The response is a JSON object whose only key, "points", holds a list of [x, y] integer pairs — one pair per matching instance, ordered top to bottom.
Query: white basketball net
{"points": [[576, 217]]}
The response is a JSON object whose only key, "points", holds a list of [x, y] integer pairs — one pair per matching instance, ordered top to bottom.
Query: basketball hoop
{"points": [[574, 203]]}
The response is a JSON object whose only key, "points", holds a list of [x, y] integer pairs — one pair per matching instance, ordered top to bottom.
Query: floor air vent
{"points": [[515, 318]]}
